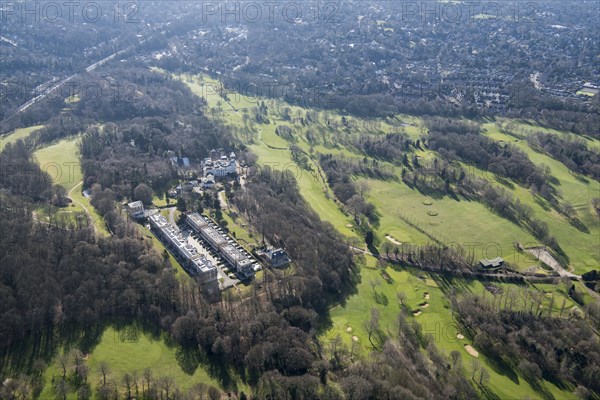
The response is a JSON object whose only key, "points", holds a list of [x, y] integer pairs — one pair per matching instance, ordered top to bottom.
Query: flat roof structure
{"points": [[136, 209], [196, 221], [214, 237], [221, 243], [236, 257], [198, 263], [493, 263]]}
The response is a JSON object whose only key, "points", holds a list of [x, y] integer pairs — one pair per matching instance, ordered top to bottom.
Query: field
{"points": [[587, 92], [525, 127], [21, 133], [272, 151], [61, 162], [84, 202], [447, 219], [450, 220], [468, 224], [581, 247], [435, 319], [136, 351]]}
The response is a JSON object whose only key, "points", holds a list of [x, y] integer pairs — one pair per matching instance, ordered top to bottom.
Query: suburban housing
{"points": [[136, 209], [276, 258], [241, 263], [195, 264]]}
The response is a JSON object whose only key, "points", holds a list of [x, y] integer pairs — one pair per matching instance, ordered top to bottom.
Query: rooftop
{"points": [[197, 219], [214, 235], [175, 237], [240, 258], [492, 263]]}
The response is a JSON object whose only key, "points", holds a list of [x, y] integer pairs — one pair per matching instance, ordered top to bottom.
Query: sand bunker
{"points": [[348, 225], [391, 239], [426, 295], [424, 304], [417, 313], [349, 329], [460, 336], [355, 338], [471, 350]]}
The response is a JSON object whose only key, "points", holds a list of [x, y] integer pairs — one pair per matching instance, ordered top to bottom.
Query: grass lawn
{"points": [[585, 92], [73, 99], [526, 127], [17, 134], [61, 161], [310, 186], [77, 196], [162, 201], [165, 213], [69, 215], [452, 221], [468, 224], [241, 233], [582, 248], [435, 319], [129, 356]]}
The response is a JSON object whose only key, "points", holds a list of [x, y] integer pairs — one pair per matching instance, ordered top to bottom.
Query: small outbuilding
{"points": [[136, 209], [277, 258], [493, 263]]}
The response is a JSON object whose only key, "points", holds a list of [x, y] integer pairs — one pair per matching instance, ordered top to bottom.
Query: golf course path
{"points": [[87, 212], [172, 216], [544, 256]]}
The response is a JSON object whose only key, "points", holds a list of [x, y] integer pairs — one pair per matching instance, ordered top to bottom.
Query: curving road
{"points": [[87, 212], [544, 256]]}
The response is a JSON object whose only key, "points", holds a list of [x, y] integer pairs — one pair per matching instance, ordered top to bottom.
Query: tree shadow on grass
{"points": [[581, 178], [554, 180], [505, 182], [425, 191], [541, 202], [580, 226], [373, 250], [386, 277], [448, 283], [381, 298], [19, 358], [190, 359], [500, 367], [219, 370], [487, 393], [545, 393]]}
